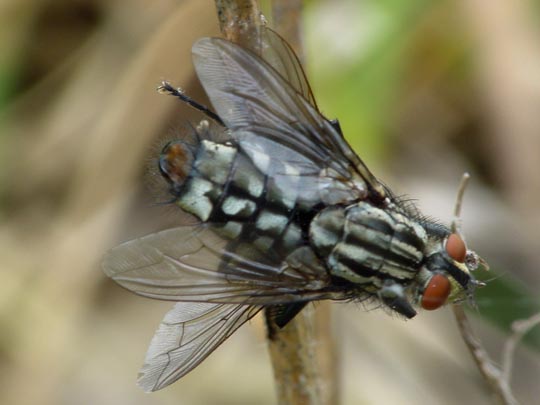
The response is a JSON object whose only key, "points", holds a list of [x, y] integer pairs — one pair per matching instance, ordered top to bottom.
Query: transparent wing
{"points": [[279, 54], [278, 128], [194, 264], [186, 336]]}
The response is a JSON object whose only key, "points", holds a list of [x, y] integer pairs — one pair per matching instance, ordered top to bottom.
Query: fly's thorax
{"points": [[367, 245]]}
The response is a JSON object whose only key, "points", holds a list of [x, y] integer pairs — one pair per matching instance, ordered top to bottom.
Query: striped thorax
{"points": [[384, 252]]}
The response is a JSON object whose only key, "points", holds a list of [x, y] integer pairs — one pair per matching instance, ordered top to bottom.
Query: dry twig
{"points": [[239, 22], [520, 329], [301, 352], [496, 379]]}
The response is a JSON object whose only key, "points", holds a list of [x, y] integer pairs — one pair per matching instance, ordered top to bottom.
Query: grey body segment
{"points": [[227, 188]]}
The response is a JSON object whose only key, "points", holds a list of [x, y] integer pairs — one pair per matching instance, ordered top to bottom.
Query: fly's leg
{"points": [[166, 88]]}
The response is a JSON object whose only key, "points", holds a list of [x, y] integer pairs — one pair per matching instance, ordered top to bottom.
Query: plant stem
{"points": [[302, 352]]}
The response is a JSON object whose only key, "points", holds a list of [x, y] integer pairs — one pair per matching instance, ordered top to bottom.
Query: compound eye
{"points": [[175, 162], [455, 247], [436, 292]]}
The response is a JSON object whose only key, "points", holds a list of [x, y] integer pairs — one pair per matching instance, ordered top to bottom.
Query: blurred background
{"points": [[424, 90]]}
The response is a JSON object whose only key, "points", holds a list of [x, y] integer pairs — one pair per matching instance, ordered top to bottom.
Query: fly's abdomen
{"points": [[218, 183], [367, 245]]}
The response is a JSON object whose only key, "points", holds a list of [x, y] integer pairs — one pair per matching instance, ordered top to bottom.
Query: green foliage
{"points": [[362, 86], [506, 299]]}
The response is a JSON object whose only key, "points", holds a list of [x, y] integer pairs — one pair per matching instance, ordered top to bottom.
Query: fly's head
{"points": [[446, 275]]}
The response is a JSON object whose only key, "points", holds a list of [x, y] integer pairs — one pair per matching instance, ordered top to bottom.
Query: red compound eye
{"points": [[175, 162], [455, 247], [436, 292]]}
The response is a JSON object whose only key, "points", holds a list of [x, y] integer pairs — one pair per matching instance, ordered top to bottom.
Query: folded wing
{"points": [[269, 117], [194, 264], [186, 336]]}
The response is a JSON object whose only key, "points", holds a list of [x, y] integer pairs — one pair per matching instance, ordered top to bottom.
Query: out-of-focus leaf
{"points": [[361, 94], [506, 299]]}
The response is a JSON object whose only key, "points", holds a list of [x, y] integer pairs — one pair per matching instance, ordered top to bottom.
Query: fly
{"points": [[286, 214]]}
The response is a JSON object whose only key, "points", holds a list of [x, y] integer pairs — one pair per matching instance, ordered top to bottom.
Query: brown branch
{"points": [[286, 19], [239, 22], [456, 222], [520, 329], [302, 352], [294, 353], [490, 372]]}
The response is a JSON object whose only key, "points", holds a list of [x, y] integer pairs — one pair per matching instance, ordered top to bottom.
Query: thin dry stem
{"points": [[286, 17], [239, 22], [456, 222], [520, 329], [308, 340], [293, 351], [301, 352], [490, 372], [497, 380]]}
